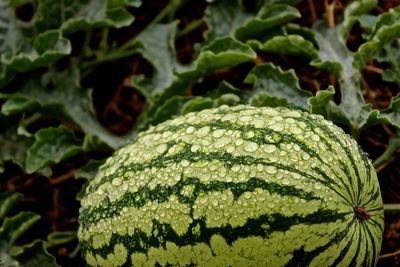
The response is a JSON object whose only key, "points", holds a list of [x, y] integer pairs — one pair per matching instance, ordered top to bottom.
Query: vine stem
{"points": [[126, 49], [387, 155], [392, 208], [388, 255]]}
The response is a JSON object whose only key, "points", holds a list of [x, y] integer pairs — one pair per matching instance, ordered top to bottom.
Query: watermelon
{"points": [[235, 186]]}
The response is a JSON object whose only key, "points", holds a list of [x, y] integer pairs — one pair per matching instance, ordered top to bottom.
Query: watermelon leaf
{"points": [[81, 15], [223, 17], [269, 17], [386, 30], [294, 45], [22, 50], [170, 77], [274, 87], [59, 94], [318, 104], [52, 145], [13, 146], [14, 227]]}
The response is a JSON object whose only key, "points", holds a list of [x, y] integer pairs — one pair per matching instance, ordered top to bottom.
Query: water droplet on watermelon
{"points": [[245, 118], [290, 121], [277, 127], [190, 130], [202, 132], [218, 133], [248, 135], [315, 137], [221, 142], [239, 142], [251, 147], [269, 148], [230, 149], [305, 156], [185, 163], [260, 167], [235, 168], [271, 169], [117, 181], [317, 186], [247, 195]]}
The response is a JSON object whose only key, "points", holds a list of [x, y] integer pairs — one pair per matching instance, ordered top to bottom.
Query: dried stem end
{"points": [[362, 213]]}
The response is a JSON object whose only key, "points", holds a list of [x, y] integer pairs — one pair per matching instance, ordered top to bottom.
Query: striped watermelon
{"points": [[235, 186]]}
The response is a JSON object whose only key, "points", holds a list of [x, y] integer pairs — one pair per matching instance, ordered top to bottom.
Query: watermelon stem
{"points": [[362, 213]]}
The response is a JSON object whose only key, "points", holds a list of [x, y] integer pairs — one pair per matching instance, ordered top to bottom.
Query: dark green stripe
{"points": [[332, 136], [259, 138], [225, 158], [229, 160], [329, 182], [161, 193], [371, 196], [369, 237], [140, 242], [345, 250], [304, 258], [354, 259]]}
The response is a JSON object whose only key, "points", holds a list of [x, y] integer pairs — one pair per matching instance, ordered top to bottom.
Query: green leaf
{"points": [[352, 14], [81, 15], [223, 17], [269, 17], [386, 30], [156, 44], [294, 45], [48, 47], [20, 49], [219, 54], [391, 54], [334, 56], [170, 78], [275, 87], [59, 94], [224, 94], [318, 104], [389, 115], [52, 145], [13, 146], [87, 172], [7, 201], [12, 228], [60, 238], [35, 254]]}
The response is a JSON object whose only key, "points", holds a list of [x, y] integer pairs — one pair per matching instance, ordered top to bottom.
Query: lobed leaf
{"points": [[79, 15], [269, 17], [386, 30], [294, 45], [21, 50], [274, 87], [59, 94], [319, 104], [52, 145], [13, 146], [7, 201], [13, 228]]}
